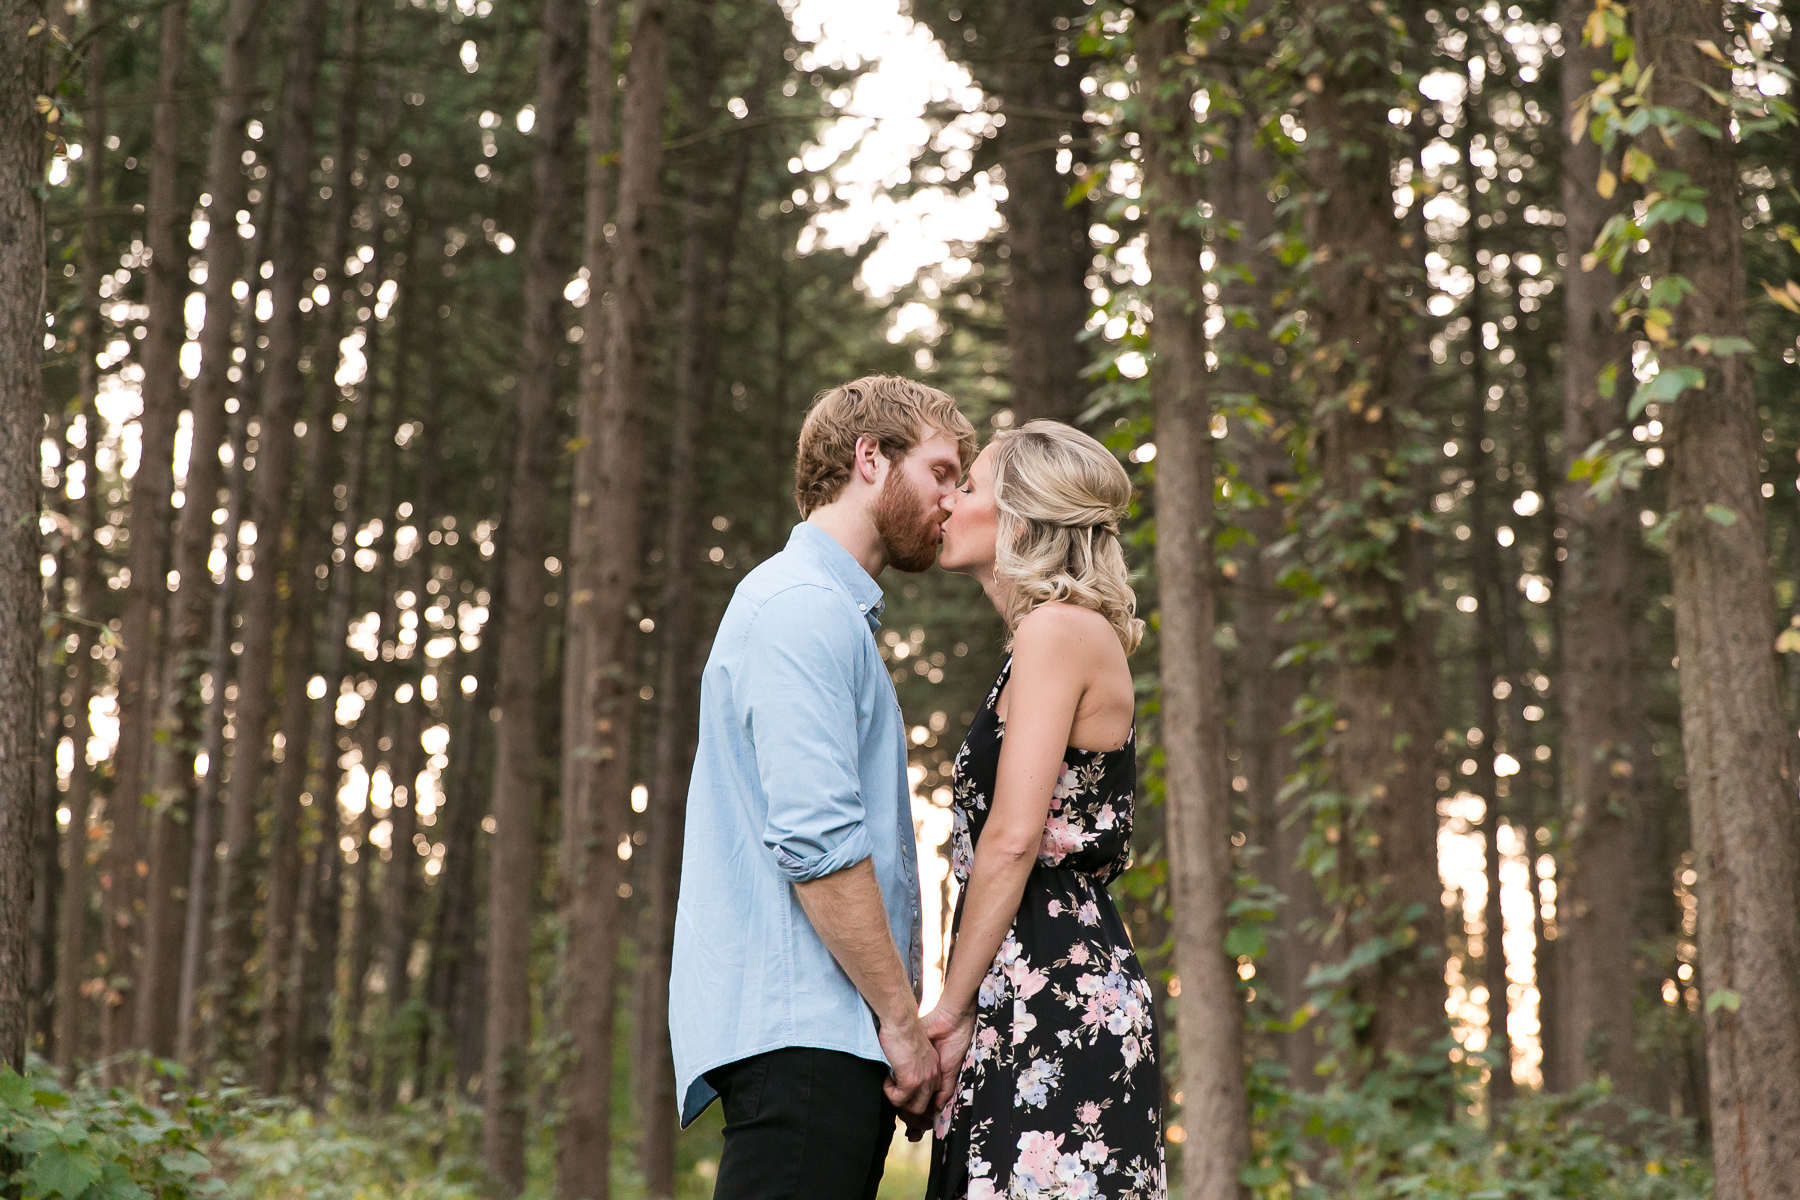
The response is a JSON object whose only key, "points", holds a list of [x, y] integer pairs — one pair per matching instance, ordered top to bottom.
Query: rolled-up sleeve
{"points": [[799, 696]]}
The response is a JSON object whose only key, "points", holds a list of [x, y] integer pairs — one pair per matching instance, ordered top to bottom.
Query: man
{"points": [[794, 991]]}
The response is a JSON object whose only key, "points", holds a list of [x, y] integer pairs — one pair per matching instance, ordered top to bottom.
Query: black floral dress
{"points": [[1059, 1095]]}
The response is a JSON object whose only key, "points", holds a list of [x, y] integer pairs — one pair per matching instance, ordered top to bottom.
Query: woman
{"points": [[1044, 1004]]}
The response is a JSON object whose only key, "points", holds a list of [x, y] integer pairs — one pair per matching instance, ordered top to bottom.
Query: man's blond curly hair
{"points": [[892, 410]]}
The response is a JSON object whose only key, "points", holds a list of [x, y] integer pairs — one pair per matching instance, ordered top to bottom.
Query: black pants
{"points": [[803, 1124]]}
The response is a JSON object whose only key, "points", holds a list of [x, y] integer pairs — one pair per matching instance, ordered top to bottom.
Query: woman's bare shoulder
{"points": [[1056, 631]]}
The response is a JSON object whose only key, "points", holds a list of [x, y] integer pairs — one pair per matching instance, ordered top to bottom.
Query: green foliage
{"points": [[1377, 1142], [90, 1143], [418, 1152]]}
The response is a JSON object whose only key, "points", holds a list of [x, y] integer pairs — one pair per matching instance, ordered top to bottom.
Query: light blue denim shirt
{"points": [[800, 772]]}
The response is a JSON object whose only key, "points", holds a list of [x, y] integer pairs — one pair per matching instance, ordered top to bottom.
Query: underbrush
{"points": [[1393, 1139], [1382, 1141]]}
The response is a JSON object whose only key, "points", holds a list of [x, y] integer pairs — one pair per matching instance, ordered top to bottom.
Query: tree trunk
{"points": [[22, 60], [710, 229], [1046, 239], [290, 258], [1247, 273], [147, 553], [1487, 587], [189, 605], [1382, 687], [306, 731], [377, 741], [517, 775], [1740, 780], [1610, 825], [46, 867], [589, 869], [400, 893], [365, 905], [72, 908], [197, 924], [457, 968], [317, 975], [230, 982], [1215, 1110]]}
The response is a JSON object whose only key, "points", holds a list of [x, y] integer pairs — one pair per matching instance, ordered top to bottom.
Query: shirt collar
{"points": [[824, 549]]}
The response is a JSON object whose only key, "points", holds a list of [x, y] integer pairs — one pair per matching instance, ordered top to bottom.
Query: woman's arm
{"points": [[1055, 653]]}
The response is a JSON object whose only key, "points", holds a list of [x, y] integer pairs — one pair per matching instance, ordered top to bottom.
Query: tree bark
{"points": [[22, 81], [227, 183], [1046, 238], [709, 242], [290, 259], [1247, 272], [147, 547], [1487, 587], [1382, 687], [306, 731], [377, 742], [517, 777], [1740, 779], [590, 823], [46, 867], [400, 892], [72, 908], [1603, 912], [197, 924], [232, 939], [457, 967], [1215, 1109]]}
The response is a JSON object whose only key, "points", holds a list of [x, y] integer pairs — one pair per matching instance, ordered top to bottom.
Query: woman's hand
{"points": [[950, 1031]]}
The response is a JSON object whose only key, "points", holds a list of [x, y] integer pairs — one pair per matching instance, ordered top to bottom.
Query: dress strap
{"points": [[993, 700]]}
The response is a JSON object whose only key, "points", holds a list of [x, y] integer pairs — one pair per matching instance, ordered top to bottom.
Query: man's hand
{"points": [[846, 911], [950, 1032], [913, 1072]]}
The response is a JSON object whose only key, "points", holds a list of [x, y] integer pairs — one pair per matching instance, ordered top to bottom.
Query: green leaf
{"points": [[1080, 191], [1719, 347], [1609, 380], [1666, 386], [1721, 515], [1243, 941], [1723, 998], [15, 1092], [187, 1162], [61, 1171]]}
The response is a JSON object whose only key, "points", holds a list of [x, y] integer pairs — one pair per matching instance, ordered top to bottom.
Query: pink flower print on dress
{"points": [[1067, 784], [1060, 840], [1054, 908], [1078, 954], [1026, 981], [1023, 1022], [1088, 1113], [1038, 1153]]}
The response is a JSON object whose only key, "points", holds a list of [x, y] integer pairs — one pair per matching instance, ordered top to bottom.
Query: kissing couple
{"points": [[795, 988]]}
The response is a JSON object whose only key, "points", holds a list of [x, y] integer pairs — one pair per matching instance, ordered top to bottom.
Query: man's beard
{"points": [[909, 534]]}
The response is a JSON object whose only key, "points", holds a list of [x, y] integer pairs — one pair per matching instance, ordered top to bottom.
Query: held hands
{"points": [[950, 1033], [924, 1056], [912, 1072]]}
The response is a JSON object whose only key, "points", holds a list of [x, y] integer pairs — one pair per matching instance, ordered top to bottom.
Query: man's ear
{"points": [[869, 460]]}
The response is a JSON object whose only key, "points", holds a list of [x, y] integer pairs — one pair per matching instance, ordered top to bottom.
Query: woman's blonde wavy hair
{"points": [[1060, 496]]}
